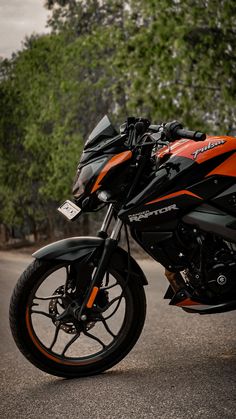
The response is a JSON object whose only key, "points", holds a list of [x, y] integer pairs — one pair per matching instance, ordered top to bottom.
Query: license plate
{"points": [[69, 210]]}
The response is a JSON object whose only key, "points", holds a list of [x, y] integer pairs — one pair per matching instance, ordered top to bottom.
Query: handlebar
{"points": [[137, 128], [174, 130], [191, 135]]}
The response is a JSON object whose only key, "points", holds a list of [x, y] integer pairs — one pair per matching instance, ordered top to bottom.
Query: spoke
{"points": [[67, 278], [107, 279], [69, 281], [110, 286], [60, 304], [109, 304], [102, 310], [115, 310], [50, 316], [107, 327], [55, 335], [94, 338], [70, 343]]}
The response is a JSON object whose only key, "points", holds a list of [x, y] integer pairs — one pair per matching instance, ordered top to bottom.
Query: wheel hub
{"points": [[55, 304], [65, 311]]}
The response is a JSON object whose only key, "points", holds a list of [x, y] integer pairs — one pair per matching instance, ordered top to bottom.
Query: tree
{"points": [[164, 59], [170, 59], [180, 59], [51, 86], [38, 144]]}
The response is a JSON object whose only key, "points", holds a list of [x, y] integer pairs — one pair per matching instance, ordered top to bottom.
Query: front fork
{"points": [[106, 222], [109, 246]]}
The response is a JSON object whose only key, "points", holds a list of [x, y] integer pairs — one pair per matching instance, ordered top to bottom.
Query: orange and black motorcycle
{"points": [[79, 308]]}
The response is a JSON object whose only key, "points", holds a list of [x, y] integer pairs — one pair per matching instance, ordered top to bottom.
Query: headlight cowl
{"points": [[86, 176]]}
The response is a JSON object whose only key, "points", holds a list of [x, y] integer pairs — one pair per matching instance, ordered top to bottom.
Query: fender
{"points": [[74, 248], [80, 248], [120, 260]]}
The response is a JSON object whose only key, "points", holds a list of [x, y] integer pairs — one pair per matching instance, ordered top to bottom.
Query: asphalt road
{"points": [[183, 366]]}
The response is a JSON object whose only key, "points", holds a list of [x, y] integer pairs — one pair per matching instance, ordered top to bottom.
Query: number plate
{"points": [[69, 210]]}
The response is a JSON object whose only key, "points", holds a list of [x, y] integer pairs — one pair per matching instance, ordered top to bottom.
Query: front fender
{"points": [[78, 248], [71, 249], [119, 259]]}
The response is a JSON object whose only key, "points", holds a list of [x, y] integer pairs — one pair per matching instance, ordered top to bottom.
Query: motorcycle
{"points": [[79, 308]]}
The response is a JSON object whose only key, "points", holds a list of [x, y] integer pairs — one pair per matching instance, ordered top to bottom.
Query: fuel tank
{"points": [[200, 151], [190, 173]]}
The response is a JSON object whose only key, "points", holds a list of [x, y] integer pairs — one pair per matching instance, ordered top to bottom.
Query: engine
{"points": [[212, 268]]}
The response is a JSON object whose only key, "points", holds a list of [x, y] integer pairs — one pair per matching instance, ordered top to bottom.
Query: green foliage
{"points": [[180, 58], [165, 59], [40, 140]]}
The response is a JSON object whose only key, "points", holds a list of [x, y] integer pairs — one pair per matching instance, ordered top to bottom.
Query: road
{"points": [[183, 366]]}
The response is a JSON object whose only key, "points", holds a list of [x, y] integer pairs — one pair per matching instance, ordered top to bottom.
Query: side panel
{"points": [[227, 168], [179, 185], [211, 186], [227, 200], [149, 206], [162, 210], [212, 220], [161, 246]]}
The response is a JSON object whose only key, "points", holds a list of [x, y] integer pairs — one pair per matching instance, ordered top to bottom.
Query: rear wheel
{"points": [[44, 320]]}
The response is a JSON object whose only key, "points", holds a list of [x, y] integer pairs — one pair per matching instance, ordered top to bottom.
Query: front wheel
{"points": [[44, 320]]}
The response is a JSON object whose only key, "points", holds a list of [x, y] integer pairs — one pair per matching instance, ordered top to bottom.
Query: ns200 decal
{"points": [[145, 214]]}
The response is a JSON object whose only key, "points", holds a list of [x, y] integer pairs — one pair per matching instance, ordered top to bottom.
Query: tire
{"points": [[24, 320]]}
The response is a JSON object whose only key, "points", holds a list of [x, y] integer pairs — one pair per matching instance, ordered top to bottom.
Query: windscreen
{"points": [[104, 129]]}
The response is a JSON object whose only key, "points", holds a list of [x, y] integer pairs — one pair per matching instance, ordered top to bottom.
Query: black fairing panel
{"points": [[111, 146], [166, 179], [185, 180], [210, 187], [227, 200], [158, 213], [213, 220], [161, 246]]}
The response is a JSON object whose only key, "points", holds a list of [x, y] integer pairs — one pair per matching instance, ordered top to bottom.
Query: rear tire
{"points": [[41, 356]]}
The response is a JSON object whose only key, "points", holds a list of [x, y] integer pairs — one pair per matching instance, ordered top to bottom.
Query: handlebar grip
{"points": [[191, 135]]}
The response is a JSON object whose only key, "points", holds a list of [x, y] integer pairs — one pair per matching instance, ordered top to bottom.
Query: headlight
{"points": [[85, 177]]}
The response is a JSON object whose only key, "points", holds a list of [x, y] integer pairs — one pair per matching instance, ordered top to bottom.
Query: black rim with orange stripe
{"points": [[55, 331]]}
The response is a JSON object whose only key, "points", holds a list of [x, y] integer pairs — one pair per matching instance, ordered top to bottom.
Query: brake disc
{"points": [[54, 304], [68, 326]]}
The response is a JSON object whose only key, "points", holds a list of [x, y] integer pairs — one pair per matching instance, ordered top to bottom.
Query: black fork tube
{"points": [[106, 222], [109, 246]]}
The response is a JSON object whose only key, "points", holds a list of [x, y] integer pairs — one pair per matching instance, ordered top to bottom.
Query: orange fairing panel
{"points": [[200, 151], [114, 161], [227, 168], [173, 195], [188, 302]]}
